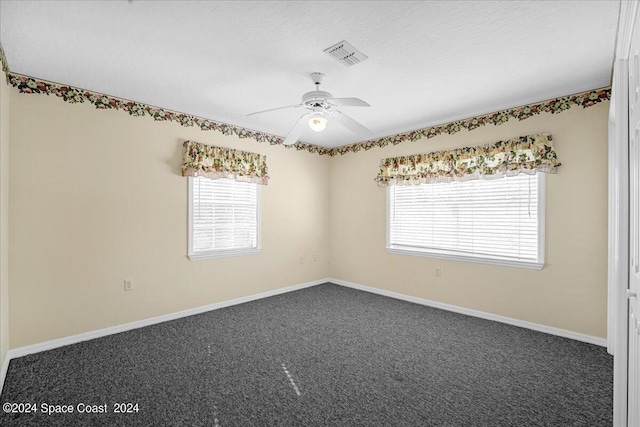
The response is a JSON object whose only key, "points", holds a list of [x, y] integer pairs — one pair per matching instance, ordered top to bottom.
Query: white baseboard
{"points": [[475, 313], [60, 342], [3, 371]]}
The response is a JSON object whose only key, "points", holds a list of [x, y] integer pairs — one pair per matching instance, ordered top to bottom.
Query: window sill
{"points": [[223, 254], [490, 261]]}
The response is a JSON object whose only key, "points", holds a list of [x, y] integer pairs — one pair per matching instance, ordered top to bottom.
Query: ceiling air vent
{"points": [[346, 54]]}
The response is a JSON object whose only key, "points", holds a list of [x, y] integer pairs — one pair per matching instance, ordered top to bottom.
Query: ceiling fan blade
{"points": [[348, 102], [274, 109], [351, 124], [296, 130]]}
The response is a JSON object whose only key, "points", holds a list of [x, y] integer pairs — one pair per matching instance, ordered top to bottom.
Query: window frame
{"points": [[221, 253], [537, 265]]}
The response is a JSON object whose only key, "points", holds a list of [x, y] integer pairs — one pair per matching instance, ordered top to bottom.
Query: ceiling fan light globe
{"points": [[317, 123]]}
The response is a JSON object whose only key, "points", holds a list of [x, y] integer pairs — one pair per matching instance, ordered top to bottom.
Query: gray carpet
{"points": [[322, 356]]}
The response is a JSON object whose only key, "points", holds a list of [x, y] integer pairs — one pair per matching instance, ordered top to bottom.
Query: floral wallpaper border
{"points": [[4, 64], [29, 85], [101, 101], [553, 106]]}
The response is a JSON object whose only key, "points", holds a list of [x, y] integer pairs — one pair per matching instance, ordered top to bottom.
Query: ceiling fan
{"points": [[321, 106]]}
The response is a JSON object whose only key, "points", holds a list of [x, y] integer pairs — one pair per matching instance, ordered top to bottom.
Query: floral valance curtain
{"points": [[526, 154], [217, 162]]}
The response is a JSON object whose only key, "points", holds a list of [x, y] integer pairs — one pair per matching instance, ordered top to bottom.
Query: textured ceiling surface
{"points": [[428, 62]]}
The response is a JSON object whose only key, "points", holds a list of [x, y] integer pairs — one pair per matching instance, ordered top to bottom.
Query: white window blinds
{"points": [[224, 217], [495, 220]]}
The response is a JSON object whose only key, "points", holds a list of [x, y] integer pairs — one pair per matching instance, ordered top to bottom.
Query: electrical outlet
{"points": [[315, 258], [301, 260], [438, 272], [128, 284]]}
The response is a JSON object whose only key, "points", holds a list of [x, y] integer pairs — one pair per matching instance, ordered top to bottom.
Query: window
{"points": [[224, 218], [498, 221]]}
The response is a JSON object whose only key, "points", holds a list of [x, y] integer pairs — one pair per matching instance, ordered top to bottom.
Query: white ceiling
{"points": [[429, 63]]}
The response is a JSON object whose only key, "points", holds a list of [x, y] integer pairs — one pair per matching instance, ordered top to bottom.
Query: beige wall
{"points": [[96, 197], [4, 218], [570, 292]]}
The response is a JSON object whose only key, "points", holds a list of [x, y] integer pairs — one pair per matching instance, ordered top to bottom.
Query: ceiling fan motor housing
{"points": [[316, 98]]}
